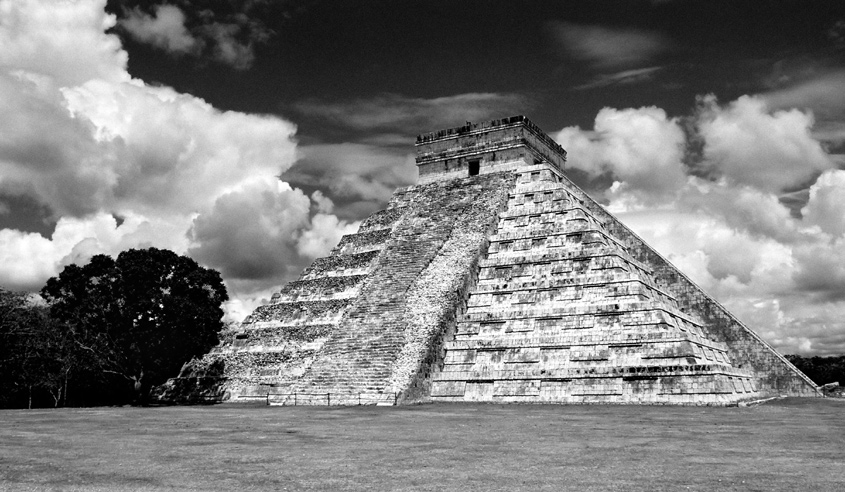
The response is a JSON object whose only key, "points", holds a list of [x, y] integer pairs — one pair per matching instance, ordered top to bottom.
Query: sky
{"points": [[251, 135]]}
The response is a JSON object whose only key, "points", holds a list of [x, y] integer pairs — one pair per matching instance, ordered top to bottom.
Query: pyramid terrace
{"points": [[494, 279]]}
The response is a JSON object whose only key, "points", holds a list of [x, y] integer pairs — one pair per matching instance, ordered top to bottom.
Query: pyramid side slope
{"points": [[562, 313], [388, 339], [278, 341], [773, 373]]}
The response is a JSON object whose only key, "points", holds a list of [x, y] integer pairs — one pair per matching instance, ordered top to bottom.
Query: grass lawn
{"points": [[792, 444]]}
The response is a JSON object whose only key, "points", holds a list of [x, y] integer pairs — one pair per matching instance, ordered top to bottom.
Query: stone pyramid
{"points": [[494, 279]]}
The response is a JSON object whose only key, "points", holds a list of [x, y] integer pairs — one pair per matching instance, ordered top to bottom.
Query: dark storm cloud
{"points": [[48, 154], [352, 170], [265, 232], [252, 233]]}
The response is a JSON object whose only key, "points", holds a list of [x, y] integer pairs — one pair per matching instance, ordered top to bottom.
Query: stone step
{"points": [[339, 265], [608, 277], [321, 288], [576, 308], [552, 342], [596, 371]]}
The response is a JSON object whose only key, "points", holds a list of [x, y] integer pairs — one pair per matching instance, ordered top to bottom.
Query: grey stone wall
{"points": [[496, 146], [509, 286], [562, 312], [387, 341], [772, 372]]}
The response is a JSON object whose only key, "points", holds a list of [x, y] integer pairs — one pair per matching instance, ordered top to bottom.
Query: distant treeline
{"points": [[821, 370]]}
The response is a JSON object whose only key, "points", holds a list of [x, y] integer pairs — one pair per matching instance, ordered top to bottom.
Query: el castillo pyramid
{"points": [[494, 279]]}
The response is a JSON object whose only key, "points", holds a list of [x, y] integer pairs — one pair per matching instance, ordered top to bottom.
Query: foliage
{"points": [[132, 322], [33, 353], [821, 370]]}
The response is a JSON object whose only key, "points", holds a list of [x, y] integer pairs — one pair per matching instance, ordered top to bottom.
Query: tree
{"points": [[137, 318], [32, 351], [821, 370]]}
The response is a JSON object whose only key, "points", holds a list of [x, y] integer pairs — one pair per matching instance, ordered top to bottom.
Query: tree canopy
{"points": [[137, 318], [30, 350], [821, 370]]}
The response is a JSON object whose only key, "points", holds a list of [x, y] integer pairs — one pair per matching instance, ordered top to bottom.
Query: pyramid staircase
{"points": [[495, 279], [364, 324], [278, 342], [376, 351]]}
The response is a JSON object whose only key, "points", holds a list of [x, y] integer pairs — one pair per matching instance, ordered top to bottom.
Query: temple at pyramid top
{"points": [[480, 148], [494, 279]]}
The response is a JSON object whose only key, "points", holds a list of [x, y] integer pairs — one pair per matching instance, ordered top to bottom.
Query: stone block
{"points": [[498, 279]]}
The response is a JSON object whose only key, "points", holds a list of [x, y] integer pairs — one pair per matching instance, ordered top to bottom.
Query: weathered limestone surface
{"points": [[500, 145], [496, 279], [562, 312], [367, 322], [387, 340], [278, 342], [772, 373]]}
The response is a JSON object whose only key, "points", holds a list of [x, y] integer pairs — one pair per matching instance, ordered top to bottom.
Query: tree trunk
{"points": [[139, 389], [57, 397], [30, 398]]}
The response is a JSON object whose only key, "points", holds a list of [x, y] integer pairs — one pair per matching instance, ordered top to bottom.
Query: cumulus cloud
{"points": [[164, 28], [227, 38], [65, 41], [606, 47], [227, 48], [821, 93], [82, 138], [746, 144], [128, 146], [641, 148], [44, 149], [177, 150], [353, 171], [705, 190], [323, 203], [826, 205], [757, 213], [325, 232], [251, 233], [261, 234], [730, 253], [27, 259], [724, 261], [820, 268], [239, 306], [811, 328]]}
